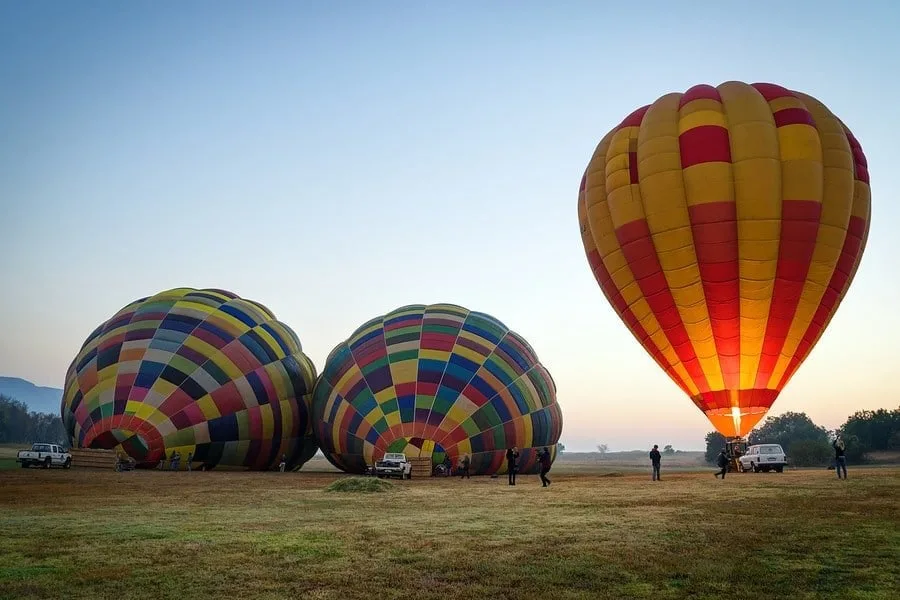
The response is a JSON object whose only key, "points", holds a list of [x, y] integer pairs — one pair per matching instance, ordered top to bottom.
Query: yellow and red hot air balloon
{"points": [[725, 225]]}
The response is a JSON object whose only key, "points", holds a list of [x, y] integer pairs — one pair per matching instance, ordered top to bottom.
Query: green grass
{"points": [[800, 534]]}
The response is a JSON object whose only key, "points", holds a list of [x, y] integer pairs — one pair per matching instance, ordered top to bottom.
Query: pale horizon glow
{"points": [[335, 162]]}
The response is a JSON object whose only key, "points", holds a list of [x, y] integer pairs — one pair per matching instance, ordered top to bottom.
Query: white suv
{"points": [[764, 457]]}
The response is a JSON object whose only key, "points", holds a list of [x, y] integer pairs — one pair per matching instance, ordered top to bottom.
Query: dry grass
{"points": [[800, 534]]}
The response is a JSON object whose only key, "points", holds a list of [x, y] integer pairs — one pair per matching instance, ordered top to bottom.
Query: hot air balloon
{"points": [[724, 225], [200, 372], [436, 381]]}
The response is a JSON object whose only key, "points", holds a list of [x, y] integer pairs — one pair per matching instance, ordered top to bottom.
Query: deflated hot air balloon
{"points": [[725, 225], [199, 372], [438, 381]]}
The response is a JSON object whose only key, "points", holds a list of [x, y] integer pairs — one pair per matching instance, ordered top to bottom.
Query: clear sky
{"points": [[335, 160]]}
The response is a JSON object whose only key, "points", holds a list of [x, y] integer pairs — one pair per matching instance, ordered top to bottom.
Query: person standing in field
{"points": [[512, 457], [655, 458], [189, 459], [840, 460], [722, 461], [283, 463], [545, 466], [464, 467]]}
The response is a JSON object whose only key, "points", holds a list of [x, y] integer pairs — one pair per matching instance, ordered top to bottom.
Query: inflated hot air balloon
{"points": [[725, 225], [195, 371], [435, 381]]}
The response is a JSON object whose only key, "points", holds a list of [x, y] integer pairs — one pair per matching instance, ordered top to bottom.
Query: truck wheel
{"points": [[47, 462], [67, 464], [25, 465], [779, 469]]}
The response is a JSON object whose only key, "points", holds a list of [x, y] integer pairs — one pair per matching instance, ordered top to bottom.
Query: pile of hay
{"points": [[362, 485]]}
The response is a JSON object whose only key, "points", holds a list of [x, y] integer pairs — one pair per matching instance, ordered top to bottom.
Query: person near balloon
{"points": [[190, 457], [655, 458], [840, 460], [722, 461], [512, 463], [283, 464], [545, 466], [464, 467]]}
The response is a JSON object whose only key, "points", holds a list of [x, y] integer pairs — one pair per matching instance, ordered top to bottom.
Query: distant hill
{"points": [[38, 399]]}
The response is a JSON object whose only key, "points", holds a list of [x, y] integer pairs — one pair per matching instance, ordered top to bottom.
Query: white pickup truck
{"points": [[44, 455], [394, 464]]}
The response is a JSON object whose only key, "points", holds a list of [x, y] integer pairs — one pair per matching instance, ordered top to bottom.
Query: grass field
{"points": [[801, 534]]}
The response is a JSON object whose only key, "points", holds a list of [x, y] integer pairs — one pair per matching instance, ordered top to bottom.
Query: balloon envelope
{"points": [[725, 225], [198, 371], [436, 381]]}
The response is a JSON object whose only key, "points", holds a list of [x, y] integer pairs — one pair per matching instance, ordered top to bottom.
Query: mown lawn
{"points": [[801, 534]]}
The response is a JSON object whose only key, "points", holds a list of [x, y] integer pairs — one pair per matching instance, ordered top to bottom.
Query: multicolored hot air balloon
{"points": [[725, 225], [197, 371], [438, 381]]}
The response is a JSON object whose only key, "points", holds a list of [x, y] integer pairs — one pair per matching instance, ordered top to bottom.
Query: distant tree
{"points": [[18, 426], [788, 429], [874, 430], [715, 441], [560, 447], [602, 448], [668, 449], [810, 453]]}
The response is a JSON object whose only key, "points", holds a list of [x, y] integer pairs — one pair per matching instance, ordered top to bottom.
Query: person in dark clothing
{"points": [[655, 458], [722, 461], [840, 461], [512, 464], [545, 466], [464, 468]]}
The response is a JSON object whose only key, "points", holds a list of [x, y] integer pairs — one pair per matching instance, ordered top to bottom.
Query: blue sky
{"points": [[335, 160]]}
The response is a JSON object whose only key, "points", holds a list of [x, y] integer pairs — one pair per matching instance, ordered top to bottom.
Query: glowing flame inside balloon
{"points": [[736, 416]]}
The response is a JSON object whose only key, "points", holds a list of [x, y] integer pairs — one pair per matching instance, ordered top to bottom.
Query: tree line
{"points": [[19, 426], [809, 445]]}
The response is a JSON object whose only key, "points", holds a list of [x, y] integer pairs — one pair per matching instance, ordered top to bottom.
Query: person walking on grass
{"points": [[655, 458], [840, 460], [722, 461], [512, 463], [545, 466], [464, 467]]}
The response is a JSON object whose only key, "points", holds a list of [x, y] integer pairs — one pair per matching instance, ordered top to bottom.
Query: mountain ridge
{"points": [[36, 398]]}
